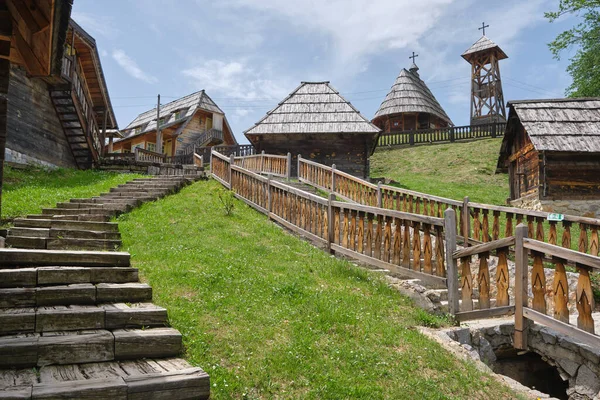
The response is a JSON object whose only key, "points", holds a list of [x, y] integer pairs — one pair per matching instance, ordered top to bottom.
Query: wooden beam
{"points": [[34, 19], [33, 65]]}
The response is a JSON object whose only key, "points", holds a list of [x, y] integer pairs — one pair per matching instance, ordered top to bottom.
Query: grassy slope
{"points": [[449, 170], [28, 191], [270, 316]]}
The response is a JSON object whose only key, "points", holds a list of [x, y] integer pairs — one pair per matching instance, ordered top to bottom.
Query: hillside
{"points": [[448, 170]]}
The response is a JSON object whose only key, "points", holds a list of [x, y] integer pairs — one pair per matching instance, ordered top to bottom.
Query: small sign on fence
{"points": [[556, 217]]}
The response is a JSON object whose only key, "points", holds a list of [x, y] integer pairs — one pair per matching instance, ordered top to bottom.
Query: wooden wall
{"points": [[408, 122], [33, 126], [349, 152], [524, 168], [572, 176]]}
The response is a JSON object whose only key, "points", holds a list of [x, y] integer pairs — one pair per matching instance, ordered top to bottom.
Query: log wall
{"points": [[33, 128], [349, 152], [572, 176]]}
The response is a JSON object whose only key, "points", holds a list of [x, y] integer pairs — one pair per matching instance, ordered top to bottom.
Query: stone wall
{"points": [[584, 208], [577, 363]]}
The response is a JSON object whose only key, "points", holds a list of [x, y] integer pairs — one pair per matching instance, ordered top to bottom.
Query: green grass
{"points": [[452, 170], [27, 191], [269, 316]]}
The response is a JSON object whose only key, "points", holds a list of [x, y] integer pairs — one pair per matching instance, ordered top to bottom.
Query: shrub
{"points": [[226, 198]]}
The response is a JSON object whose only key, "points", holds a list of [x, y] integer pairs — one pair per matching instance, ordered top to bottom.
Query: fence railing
{"points": [[449, 134], [202, 140], [237, 150], [144, 155], [266, 164], [480, 223], [408, 244], [535, 308]]}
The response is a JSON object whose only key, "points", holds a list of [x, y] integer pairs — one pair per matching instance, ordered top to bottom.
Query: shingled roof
{"points": [[484, 43], [410, 94], [188, 106], [314, 107], [556, 125]]}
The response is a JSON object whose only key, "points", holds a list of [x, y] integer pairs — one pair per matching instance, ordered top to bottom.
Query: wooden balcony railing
{"points": [[449, 134]]}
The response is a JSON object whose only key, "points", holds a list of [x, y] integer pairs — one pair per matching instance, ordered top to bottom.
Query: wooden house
{"points": [[58, 102], [410, 105], [191, 120], [316, 122], [551, 151]]}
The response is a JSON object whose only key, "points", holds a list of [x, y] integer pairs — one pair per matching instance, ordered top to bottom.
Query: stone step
{"points": [[66, 224], [11, 258], [43, 276], [75, 294], [78, 317], [85, 346], [170, 378]]}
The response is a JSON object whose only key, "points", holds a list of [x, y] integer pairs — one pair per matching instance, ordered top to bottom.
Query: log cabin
{"points": [[410, 105], [56, 116], [193, 120], [316, 122], [551, 151]]}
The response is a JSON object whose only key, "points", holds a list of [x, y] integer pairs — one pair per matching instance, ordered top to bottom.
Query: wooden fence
{"points": [[450, 134], [143, 155], [266, 164], [480, 223], [405, 235], [410, 245]]}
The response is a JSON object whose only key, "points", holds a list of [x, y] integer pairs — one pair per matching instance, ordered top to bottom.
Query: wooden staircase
{"points": [[73, 125], [84, 223], [79, 324]]}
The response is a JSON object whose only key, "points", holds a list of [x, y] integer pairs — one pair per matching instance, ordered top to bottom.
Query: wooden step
{"points": [[76, 205], [76, 211], [72, 217], [66, 224], [29, 232], [83, 234], [24, 242], [83, 244], [10, 258], [44, 276], [75, 294], [78, 317], [84, 346], [150, 379]]}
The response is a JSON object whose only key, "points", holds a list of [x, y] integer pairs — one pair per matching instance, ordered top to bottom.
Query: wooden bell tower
{"points": [[487, 99]]}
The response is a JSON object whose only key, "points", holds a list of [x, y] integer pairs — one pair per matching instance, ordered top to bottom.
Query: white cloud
{"points": [[96, 24], [131, 67], [235, 79]]}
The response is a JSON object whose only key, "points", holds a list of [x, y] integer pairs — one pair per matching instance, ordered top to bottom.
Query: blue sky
{"points": [[249, 54]]}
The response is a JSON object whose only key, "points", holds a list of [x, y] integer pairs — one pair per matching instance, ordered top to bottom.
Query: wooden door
{"points": [[168, 148]]}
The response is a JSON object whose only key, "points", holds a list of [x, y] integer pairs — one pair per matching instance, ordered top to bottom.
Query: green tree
{"points": [[585, 36]]}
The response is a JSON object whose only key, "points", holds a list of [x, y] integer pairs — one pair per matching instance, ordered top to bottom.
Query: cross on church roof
{"points": [[483, 26], [414, 56]]}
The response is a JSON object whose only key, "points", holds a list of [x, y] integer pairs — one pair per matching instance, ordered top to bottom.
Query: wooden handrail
{"points": [[484, 248]]}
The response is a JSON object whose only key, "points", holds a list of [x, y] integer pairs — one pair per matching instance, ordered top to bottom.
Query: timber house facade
{"points": [[410, 105], [58, 117], [193, 120], [316, 122], [551, 151]]}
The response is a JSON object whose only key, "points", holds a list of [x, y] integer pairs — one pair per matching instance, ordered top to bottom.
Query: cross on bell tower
{"points": [[414, 56], [487, 98]]}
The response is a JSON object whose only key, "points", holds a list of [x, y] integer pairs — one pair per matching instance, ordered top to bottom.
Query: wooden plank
{"points": [[429, 197], [390, 213], [484, 248], [560, 252], [24, 257], [452, 269], [63, 275], [21, 277], [502, 279], [433, 280], [521, 288], [560, 291], [123, 292], [66, 295], [585, 300], [482, 314], [121, 315], [62, 318], [17, 320], [569, 330], [138, 343], [75, 347], [19, 350], [180, 384], [91, 389]]}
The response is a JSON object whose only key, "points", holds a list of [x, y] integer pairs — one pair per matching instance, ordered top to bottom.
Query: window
{"points": [[138, 129], [135, 146], [151, 146]]}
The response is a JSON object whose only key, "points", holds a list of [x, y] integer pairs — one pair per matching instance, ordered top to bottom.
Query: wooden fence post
{"points": [[494, 126], [451, 134], [411, 138], [231, 161], [262, 161], [210, 166], [298, 171], [288, 172], [333, 178], [379, 196], [269, 197], [466, 221], [330, 223], [451, 264], [521, 287]]}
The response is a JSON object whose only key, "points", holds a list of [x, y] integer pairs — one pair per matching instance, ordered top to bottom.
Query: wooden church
{"points": [[410, 105], [316, 122]]}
